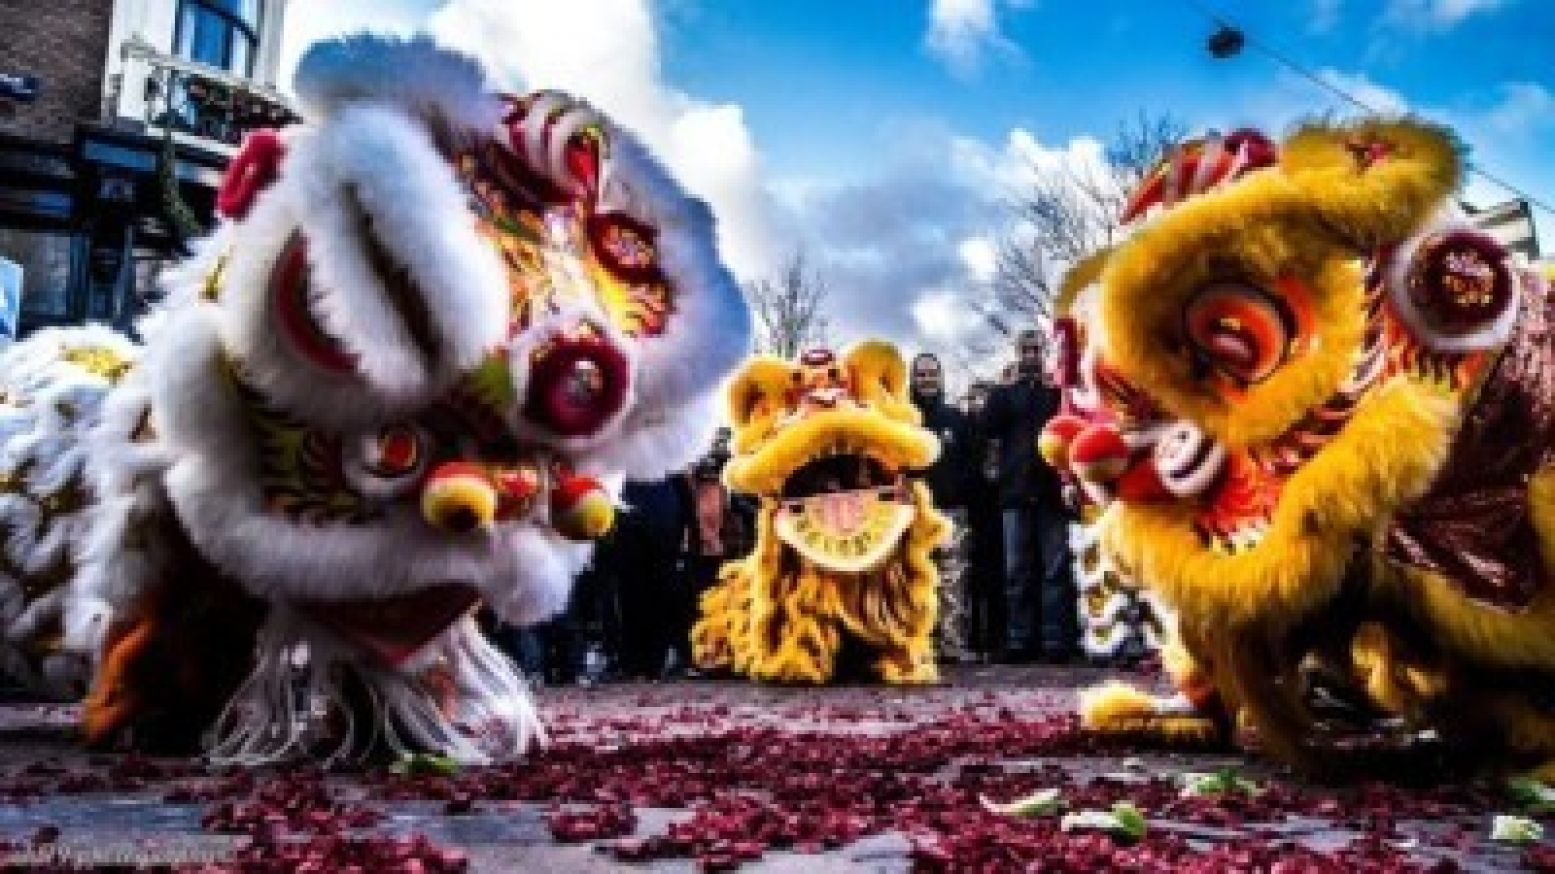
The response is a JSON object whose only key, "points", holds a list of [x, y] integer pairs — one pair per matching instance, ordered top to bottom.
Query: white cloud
{"points": [[1325, 15], [1434, 15], [307, 23], [961, 31], [607, 51], [1378, 98], [1523, 106], [1020, 160], [980, 257], [943, 317]]}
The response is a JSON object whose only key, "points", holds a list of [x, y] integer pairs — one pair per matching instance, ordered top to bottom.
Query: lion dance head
{"points": [[400, 382], [1278, 382], [842, 560]]}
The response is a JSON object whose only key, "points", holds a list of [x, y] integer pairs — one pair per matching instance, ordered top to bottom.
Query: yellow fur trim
{"points": [[1391, 198], [1257, 232], [1085, 271], [880, 378], [754, 397], [898, 445], [1384, 457], [773, 618], [1502, 638], [1179, 664], [1390, 680], [1112, 701], [1118, 709]]}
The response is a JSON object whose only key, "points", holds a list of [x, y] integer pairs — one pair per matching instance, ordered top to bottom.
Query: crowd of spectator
{"points": [[1008, 595]]}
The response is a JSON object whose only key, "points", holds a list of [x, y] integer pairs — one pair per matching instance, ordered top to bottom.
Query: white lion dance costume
{"points": [[402, 379]]}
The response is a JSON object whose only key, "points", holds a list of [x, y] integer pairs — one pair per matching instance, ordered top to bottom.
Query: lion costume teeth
{"points": [[403, 379], [1326, 407], [844, 537]]}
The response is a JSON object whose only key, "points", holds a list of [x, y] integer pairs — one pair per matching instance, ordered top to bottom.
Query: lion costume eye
{"points": [[1239, 330], [389, 462]]}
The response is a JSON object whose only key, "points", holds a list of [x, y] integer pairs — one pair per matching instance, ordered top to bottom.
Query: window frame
{"points": [[238, 27]]}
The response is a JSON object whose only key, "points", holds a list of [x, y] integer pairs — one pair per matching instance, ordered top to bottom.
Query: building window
{"points": [[221, 33]]}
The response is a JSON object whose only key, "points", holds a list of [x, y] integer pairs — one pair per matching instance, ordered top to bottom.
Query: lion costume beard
{"points": [[775, 616]]}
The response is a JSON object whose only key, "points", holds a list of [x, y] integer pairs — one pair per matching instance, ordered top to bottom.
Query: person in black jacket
{"points": [[948, 479], [985, 533], [645, 557], [1038, 586]]}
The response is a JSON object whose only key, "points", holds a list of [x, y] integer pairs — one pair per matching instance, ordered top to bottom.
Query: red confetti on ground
{"points": [[752, 787], [296, 801], [296, 824], [591, 824], [323, 854]]}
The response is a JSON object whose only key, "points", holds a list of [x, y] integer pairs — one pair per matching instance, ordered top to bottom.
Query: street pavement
{"points": [[722, 774]]}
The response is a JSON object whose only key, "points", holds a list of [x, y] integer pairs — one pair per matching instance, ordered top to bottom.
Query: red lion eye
{"points": [[1239, 329], [394, 452]]}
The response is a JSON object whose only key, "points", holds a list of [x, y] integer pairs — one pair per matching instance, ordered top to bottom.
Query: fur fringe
{"points": [[461, 698]]}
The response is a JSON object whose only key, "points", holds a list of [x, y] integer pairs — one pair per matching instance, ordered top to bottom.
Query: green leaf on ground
{"points": [[425, 763], [1226, 781], [1533, 795], [1039, 803], [1124, 822], [1515, 829]]}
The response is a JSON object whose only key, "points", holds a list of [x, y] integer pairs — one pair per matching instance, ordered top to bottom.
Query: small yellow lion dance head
{"points": [[844, 537]]}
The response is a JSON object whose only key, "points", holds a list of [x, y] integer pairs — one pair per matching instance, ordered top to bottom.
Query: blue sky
{"points": [[881, 135]]}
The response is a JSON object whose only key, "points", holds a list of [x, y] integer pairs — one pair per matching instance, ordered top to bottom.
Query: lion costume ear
{"points": [[1376, 181], [1084, 272], [879, 377], [757, 394]]}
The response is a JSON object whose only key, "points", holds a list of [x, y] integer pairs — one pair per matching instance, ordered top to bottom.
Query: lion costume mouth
{"points": [[830, 443], [844, 511]]}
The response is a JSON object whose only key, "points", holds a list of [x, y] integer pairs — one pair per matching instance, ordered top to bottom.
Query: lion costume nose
{"points": [[1057, 437], [1098, 454], [459, 497], [581, 508]]}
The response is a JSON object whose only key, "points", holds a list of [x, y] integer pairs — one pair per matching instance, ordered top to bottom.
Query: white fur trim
{"points": [[415, 74], [1491, 336], [282, 710]]}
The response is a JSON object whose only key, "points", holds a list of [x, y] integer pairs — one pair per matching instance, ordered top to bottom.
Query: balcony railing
{"points": [[202, 101]]}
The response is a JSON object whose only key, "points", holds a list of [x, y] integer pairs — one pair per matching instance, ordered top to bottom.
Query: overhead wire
{"points": [[1284, 59]]}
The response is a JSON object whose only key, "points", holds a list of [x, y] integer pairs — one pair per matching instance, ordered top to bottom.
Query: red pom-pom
{"points": [[1259, 150], [254, 168], [1098, 454]]}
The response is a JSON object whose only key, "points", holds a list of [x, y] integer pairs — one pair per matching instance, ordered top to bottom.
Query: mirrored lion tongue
{"points": [[842, 512], [847, 532], [394, 629]]}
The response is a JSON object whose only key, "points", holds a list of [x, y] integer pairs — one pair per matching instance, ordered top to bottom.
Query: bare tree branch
{"points": [[1066, 215], [790, 308]]}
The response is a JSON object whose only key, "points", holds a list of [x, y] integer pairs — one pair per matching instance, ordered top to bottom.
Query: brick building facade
{"points": [[66, 41], [116, 120]]}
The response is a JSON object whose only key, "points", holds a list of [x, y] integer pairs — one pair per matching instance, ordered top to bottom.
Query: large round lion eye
{"points": [[1238, 329], [389, 461]]}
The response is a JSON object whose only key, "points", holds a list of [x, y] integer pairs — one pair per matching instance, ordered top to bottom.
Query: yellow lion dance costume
{"points": [[1319, 409], [844, 539]]}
